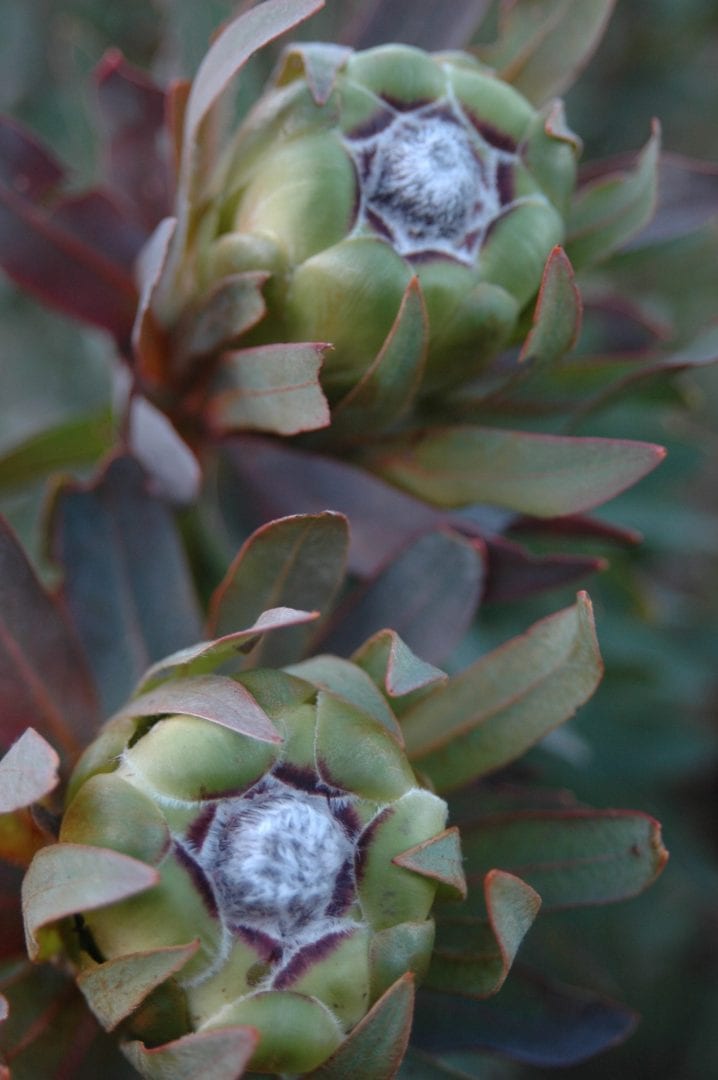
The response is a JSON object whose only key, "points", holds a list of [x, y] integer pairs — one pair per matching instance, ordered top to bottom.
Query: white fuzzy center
{"points": [[426, 179], [274, 861]]}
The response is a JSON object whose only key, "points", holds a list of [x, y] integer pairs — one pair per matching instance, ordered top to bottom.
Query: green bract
{"points": [[356, 172], [278, 897]]}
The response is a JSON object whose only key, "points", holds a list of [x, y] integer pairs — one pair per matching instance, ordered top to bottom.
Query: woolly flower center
{"points": [[426, 178], [429, 182], [275, 861]]}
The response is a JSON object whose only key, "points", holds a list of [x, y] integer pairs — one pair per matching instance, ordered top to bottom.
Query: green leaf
{"points": [[544, 44], [230, 50], [318, 62], [607, 213], [228, 310], [557, 317], [389, 385], [270, 388], [76, 442], [543, 475], [297, 562], [126, 578], [429, 594], [207, 656], [394, 667], [44, 677], [345, 680], [215, 698], [491, 713], [357, 753], [27, 772], [572, 857], [440, 859], [67, 878], [473, 957], [116, 988], [375, 1047], [213, 1055]]}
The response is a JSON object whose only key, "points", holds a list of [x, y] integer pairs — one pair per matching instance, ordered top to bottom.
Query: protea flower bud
{"points": [[400, 164], [279, 899]]}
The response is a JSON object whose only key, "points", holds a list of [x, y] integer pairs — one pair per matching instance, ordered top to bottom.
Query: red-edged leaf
{"points": [[544, 44], [230, 50], [318, 62], [132, 109], [26, 166], [610, 210], [97, 220], [50, 261], [557, 317], [149, 341], [390, 383], [270, 388], [545, 475], [271, 479], [295, 562], [515, 573], [126, 578], [429, 594], [209, 655], [394, 667], [44, 680], [213, 697], [491, 713], [28, 771], [572, 857], [440, 859], [67, 878], [474, 956], [117, 987], [533, 1021], [50, 1032], [375, 1047], [221, 1054]]}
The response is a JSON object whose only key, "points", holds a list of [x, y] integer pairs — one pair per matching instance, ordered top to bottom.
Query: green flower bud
{"points": [[413, 165], [282, 901]]}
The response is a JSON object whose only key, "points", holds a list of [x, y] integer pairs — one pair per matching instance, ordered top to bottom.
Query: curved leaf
{"points": [[544, 44], [609, 211], [557, 317], [389, 385], [270, 388], [545, 475], [296, 562], [126, 578], [428, 594], [209, 655], [394, 667], [44, 681], [213, 697], [491, 713], [27, 772], [572, 857], [67, 878], [473, 957], [117, 987], [531, 1020], [375, 1047], [222, 1054]]}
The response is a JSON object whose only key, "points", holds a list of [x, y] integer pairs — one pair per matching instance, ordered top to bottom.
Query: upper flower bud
{"points": [[405, 164]]}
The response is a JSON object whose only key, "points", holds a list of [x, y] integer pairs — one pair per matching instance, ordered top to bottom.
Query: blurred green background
{"points": [[649, 739]]}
